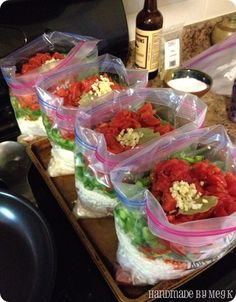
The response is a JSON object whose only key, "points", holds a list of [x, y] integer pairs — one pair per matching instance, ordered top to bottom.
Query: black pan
{"points": [[27, 252]]}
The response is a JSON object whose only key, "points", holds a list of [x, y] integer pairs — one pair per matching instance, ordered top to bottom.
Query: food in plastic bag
{"points": [[41, 57], [219, 62], [82, 85], [129, 129], [113, 131], [178, 205], [147, 259]]}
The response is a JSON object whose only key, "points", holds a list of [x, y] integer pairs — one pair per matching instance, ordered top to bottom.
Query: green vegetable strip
{"points": [[26, 112], [55, 135], [185, 156], [89, 181], [134, 224]]}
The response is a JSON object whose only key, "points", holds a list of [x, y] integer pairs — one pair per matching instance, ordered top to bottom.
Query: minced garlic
{"points": [[50, 61], [46, 65], [66, 85], [100, 87], [129, 137], [186, 195]]}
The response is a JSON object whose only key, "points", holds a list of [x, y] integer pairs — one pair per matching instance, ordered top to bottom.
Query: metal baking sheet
{"points": [[98, 235]]}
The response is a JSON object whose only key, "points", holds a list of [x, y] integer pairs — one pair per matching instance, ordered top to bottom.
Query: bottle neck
{"points": [[150, 5]]}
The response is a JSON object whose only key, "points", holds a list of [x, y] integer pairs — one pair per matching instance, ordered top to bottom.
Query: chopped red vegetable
{"points": [[38, 60], [74, 91], [29, 101], [126, 119], [208, 179]]}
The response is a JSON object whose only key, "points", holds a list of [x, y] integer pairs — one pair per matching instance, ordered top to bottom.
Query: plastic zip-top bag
{"points": [[40, 58], [219, 62], [82, 85], [113, 131], [185, 190], [144, 258]]}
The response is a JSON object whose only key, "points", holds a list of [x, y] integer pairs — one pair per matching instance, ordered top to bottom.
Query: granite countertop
{"points": [[196, 39], [218, 113]]}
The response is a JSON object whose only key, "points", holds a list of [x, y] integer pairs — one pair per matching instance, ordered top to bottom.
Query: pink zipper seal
{"points": [[46, 74], [107, 162], [157, 223]]}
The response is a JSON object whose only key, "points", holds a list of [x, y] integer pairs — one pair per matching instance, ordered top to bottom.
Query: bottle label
{"points": [[147, 49], [172, 54]]}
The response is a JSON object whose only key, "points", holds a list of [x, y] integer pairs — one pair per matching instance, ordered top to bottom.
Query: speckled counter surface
{"points": [[195, 39], [218, 113]]}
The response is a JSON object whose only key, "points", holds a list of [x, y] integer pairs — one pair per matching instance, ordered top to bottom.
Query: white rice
{"points": [[28, 127], [61, 162], [95, 200], [143, 270], [148, 271]]}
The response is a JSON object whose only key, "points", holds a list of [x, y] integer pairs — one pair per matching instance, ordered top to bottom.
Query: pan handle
{"points": [[3, 185]]}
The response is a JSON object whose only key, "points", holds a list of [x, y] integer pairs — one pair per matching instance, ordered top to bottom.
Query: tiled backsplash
{"points": [[180, 11]]}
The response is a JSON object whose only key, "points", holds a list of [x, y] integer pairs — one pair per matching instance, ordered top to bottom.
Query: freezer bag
{"points": [[41, 57], [219, 62], [81, 86], [113, 131], [161, 236]]}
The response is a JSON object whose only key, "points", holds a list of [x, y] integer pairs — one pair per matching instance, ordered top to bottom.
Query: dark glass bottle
{"points": [[149, 21], [232, 109]]}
